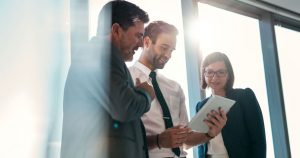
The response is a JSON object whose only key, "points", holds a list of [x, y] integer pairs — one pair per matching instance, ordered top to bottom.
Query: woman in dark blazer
{"points": [[244, 135]]}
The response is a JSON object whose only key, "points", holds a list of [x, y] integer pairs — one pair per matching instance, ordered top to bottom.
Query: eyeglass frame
{"points": [[217, 73]]}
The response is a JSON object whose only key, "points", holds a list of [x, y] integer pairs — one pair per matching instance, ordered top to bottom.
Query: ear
{"points": [[115, 30], [147, 42]]}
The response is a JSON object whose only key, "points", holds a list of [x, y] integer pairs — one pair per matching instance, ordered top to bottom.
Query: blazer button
{"points": [[116, 125]]}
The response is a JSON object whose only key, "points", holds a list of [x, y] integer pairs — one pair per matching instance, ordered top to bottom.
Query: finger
{"points": [[137, 81], [223, 114], [217, 116], [221, 117], [210, 118], [215, 121], [209, 123], [177, 127], [212, 127], [174, 129], [184, 130], [180, 131], [181, 134], [181, 138], [181, 141], [177, 143]]}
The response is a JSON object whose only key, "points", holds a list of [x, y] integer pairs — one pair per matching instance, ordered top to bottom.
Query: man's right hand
{"points": [[146, 87], [173, 137]]}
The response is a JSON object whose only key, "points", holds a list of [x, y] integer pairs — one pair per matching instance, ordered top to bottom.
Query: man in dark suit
{"points": [[102, 108]]}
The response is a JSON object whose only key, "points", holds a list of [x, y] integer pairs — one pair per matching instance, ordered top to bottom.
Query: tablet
{"points": [[197, 122]]}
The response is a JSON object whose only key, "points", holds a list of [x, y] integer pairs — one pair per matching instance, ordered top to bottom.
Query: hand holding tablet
{"points": [[197, 122]]}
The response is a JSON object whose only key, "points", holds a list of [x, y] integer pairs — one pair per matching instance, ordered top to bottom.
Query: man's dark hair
{"points": [[122, 12], [157, 27]]}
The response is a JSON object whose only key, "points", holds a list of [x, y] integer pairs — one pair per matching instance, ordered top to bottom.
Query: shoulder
{"points": [[98, 45], [133, 69], [136, 72], [167, 82], [240, 92], [248, 92], [244, 97], [201, 103]]}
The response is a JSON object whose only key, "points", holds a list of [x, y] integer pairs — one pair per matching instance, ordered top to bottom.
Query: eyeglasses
{"points": [[219, 73]]}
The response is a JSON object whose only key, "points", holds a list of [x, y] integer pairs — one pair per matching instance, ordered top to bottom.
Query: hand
{"points": [[146, 87], [216, 121], [173, 137]]}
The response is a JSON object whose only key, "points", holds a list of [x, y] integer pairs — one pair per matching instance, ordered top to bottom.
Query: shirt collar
{"points": [[143, 68]]}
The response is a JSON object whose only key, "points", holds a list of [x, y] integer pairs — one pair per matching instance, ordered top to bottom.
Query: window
{"points": [[238, 37], [288, 53], [175, 69]]}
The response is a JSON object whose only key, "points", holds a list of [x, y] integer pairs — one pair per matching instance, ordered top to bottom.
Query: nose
{"points": [[214, 77]]}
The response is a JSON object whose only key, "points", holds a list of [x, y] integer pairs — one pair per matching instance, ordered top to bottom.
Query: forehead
{"points": [[138, 27], [166, 38], [216, 65]]}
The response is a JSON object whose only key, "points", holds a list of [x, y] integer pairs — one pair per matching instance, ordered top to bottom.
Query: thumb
{"points": [[137, 81]]}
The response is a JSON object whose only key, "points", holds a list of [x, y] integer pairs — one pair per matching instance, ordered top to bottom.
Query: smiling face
{"points": [[128, 41], [161, 51], [216, 76]]}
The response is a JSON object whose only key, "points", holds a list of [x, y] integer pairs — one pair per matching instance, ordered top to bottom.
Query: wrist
{"points": [[209, 136]]}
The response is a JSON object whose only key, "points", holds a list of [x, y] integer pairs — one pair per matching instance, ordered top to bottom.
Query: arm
{"points": [[127, 103], [216, 121], [255, 124], [170, 138], [196, 138]]}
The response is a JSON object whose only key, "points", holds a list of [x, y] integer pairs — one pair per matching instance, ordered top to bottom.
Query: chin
{"points": [[129, 59], [161, 66]]}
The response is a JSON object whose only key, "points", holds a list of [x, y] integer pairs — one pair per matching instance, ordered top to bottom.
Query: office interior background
{"points": [[37, 38]]}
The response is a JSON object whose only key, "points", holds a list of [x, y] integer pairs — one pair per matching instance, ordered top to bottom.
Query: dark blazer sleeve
{"points": [[126, 102], [200, 104], [255, 124], [202, 148]]}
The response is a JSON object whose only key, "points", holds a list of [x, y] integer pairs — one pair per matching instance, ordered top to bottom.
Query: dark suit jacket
{"points": [[102, 108], [244, 132]]}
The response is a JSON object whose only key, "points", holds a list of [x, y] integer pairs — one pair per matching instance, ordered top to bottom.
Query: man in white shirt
{"points": [[159, 42]]}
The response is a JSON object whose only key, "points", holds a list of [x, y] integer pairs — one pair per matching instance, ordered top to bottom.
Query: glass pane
{"points": [[237, 36], [288, 53], [34, 61], [175, 69]]}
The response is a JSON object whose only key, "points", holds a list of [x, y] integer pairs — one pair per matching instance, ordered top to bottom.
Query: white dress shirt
{"points": [[153, 119], [216, 148]]}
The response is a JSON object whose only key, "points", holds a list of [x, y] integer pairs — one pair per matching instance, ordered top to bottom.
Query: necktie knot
{"points": [[152, 75]]}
